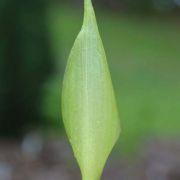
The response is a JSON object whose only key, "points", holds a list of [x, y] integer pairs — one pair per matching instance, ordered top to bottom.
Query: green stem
{"points": [[87, 6], [89, 15], [90, 177]]}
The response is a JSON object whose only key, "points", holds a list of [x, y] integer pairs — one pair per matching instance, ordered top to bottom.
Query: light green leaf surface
{"points": [[88, 103]]}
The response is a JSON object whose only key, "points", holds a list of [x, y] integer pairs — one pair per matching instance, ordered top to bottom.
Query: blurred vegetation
{"points": [[138, 6], [143, 55], [26, 63]]}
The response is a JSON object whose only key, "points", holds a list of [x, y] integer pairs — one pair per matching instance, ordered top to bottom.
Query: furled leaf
{"points": [[88, 103]]}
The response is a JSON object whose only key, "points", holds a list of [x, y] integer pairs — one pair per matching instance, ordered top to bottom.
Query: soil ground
{"points": [[37, 159]]}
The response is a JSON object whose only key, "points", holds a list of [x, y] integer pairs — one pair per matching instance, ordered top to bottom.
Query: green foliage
{"points": [[128, 5], [139, 5], [144, 61], [25, 64], [88, 103]]}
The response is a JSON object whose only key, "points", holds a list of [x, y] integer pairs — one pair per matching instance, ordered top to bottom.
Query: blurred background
{"points": [[142, 42]]}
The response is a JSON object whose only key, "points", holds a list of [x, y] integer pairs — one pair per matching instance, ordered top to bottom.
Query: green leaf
{"points": [[88, 103]]}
